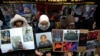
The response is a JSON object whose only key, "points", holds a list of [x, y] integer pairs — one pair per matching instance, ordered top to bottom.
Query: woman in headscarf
{"points": [[18, 21], [44, 24]]}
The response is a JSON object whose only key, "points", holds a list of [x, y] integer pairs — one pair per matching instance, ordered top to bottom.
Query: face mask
{"points": [[43, 27]]}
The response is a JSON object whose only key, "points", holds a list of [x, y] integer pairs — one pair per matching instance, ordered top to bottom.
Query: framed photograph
{"points": [[27, 34], [57, 35], [71, 35], [92, 35], [5, 37], [25, 37], [28, 38], [44, 40], [5, 41], [90, 45], [70, 46], [57, 47]]}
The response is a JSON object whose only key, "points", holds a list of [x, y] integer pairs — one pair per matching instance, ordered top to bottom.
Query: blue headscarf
{"points": [[27, 5]]}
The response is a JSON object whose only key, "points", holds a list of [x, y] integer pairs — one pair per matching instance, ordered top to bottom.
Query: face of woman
{"points": [[26, 10], [19, 23], [44, 23]]}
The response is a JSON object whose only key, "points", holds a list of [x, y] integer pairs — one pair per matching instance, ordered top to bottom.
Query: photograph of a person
{"points": [[27, 34], [57, 35], [71, 35], [92, 35], [5, 37], [44, 40], [16, 43], [70, 46], [58, 47]]}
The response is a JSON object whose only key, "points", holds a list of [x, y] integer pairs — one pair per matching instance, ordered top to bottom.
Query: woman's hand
{"points": [[10, 50], [38, 53]]}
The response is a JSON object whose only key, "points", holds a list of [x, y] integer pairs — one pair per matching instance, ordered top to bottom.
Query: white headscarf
{"points": [[16, 18], [43, 18]]}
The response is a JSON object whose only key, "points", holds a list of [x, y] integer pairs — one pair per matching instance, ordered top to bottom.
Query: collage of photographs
{"points": [[49, 28], [17, 39], [70, 39], [65, 40]]}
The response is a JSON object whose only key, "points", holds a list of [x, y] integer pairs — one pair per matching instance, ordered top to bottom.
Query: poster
{"points": [[15, 39], [44, 41], [6, 45]]}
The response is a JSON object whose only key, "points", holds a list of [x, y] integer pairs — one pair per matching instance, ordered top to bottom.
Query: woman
{"points": [[16, 22], [44, 25]]}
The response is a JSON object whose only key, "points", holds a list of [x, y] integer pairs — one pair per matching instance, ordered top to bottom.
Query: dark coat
{"points": [[97, 16]]}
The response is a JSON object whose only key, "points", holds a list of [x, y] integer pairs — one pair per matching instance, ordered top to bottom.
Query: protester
{"points": [[27, 8], [18, 21], [70, 21], [44, 25]]}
